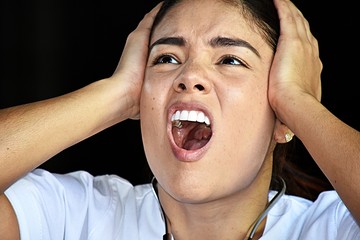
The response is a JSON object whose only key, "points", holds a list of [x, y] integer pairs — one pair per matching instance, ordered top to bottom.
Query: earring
{"points": [[288, 137]]}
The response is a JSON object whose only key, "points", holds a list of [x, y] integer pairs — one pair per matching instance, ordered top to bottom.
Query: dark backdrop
{"points": [[48, 48]]}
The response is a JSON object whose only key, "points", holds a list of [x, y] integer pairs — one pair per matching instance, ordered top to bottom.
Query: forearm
{"points": [[33, 133], [334, 146]]}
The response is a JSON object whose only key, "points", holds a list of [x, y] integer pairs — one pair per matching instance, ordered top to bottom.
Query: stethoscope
{"points": [[273, 201]]}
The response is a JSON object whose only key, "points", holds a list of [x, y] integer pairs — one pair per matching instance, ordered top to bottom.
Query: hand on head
{"points": [[131, 67], [296, 67]]}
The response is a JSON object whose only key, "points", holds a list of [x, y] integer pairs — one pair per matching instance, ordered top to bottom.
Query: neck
{"points": [[233, 218], [255, 231]]}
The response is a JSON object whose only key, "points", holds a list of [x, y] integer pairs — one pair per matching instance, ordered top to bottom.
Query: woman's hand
{"points": [[131, 67], [296, 68], [294, 94], [32, 133]]}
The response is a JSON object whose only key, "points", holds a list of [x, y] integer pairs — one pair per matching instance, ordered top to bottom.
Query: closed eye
{"points": [[165, 58]]}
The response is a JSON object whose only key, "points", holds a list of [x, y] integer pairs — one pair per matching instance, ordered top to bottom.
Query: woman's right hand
{"points": [[130, 70], [32, 133]]}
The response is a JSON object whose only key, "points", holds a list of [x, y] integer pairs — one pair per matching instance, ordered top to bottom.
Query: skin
{"points": [[293, 92], [296, 102], [231, 174]]}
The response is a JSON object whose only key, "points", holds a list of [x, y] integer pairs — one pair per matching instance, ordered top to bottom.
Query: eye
{"points": [[165, 58], [232, 60]]}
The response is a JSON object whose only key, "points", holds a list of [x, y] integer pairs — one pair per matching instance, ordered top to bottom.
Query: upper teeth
{"points": [[193, 116]]}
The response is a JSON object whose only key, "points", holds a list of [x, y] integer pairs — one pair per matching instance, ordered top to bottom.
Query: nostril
{"points": [[182, 86], [199, 87]]}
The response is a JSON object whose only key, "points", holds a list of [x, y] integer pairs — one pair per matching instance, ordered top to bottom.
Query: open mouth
{"points": [[191, 130]]}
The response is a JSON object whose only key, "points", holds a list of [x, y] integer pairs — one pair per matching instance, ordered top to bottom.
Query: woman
{"points": [[214, 101]]}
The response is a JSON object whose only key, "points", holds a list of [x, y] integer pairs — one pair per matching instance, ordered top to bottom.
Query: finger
{"points": [[148, 19], [287, 22], [292, 22], [302, 23], [294, 25], [137, 41]]}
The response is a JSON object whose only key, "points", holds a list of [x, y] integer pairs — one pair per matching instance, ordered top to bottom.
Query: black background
{"points": [[48, 48]]}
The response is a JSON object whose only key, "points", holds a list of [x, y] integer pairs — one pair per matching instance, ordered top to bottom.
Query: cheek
{"points": [[154, 97], [149, 99], [149, 109], [152, 117], [250, 118], [148, 123]]}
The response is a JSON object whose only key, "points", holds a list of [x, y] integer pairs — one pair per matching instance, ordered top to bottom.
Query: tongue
{"points": [[192, 136], [194, 144]]}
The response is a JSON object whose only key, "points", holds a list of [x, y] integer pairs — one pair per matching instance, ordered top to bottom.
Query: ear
{"points": [[282, 134]]}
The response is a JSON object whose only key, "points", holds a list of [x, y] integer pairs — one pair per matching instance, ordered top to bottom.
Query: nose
{"points": [[193, 78]]}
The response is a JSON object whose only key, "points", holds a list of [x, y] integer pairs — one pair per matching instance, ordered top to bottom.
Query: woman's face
{"points": [[208, 65]]}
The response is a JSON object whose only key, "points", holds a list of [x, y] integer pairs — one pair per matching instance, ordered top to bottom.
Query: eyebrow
{"points": [[177, 41], [214, 42], [229, 42]]}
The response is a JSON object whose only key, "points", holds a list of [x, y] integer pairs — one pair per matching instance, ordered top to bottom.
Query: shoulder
{"points": [[79, 183], [77, 200], [325, 218]]}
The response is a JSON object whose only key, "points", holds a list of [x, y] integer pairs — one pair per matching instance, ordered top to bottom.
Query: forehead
{"points": [[206, 19]]}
